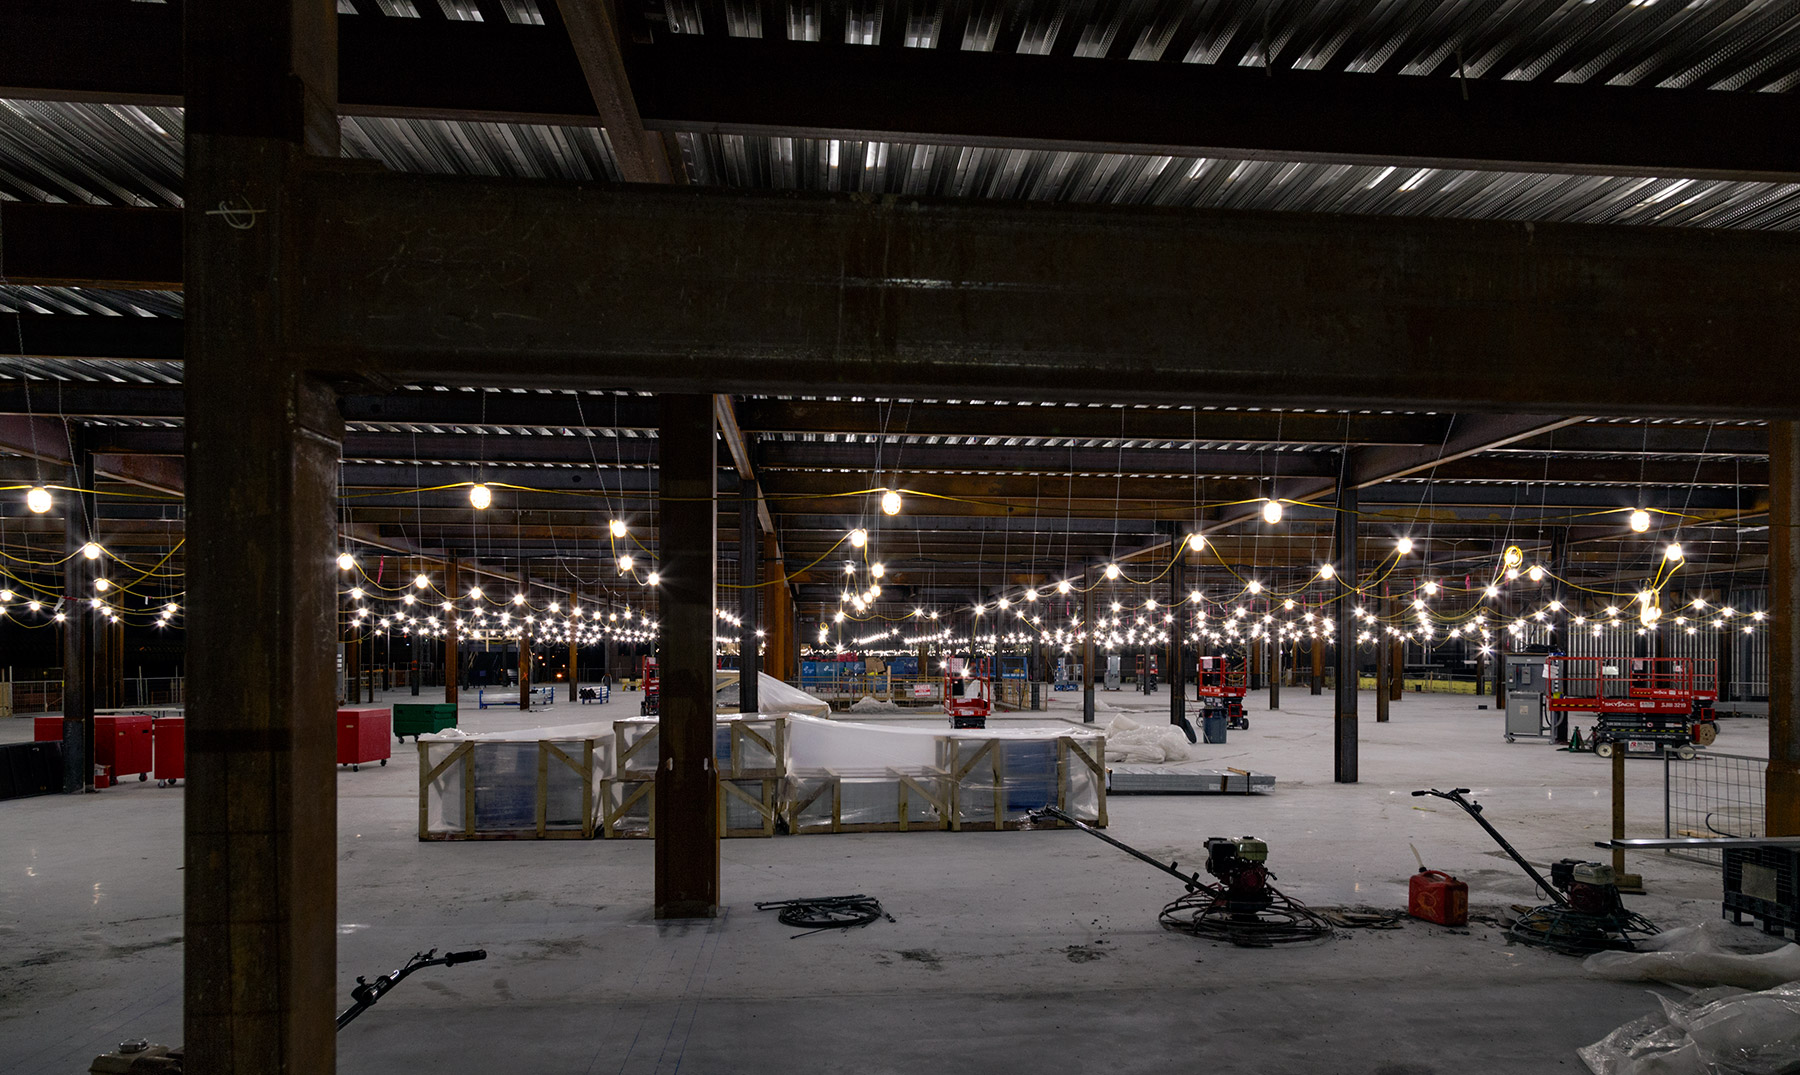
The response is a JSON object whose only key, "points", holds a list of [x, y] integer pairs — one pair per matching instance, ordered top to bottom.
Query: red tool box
{"points": [[46, 729], [364, 734], [168, 737], [121, 743], [1435, 896]]}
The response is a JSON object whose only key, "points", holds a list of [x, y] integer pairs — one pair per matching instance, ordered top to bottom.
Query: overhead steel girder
{"points": [[950, 96], [810, 294], [1088, 421]]}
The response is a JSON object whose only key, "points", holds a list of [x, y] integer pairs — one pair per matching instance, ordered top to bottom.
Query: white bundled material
{"points": [[772, 696], [868, 703], [1128, 741], [1711, 953], [1719, 1031]]}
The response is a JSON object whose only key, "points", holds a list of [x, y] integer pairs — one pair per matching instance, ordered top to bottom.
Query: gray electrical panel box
{"points": [[1112, 672], [1527, 689]]}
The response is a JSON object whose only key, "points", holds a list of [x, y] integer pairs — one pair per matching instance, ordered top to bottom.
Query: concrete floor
{"points": [[1022, 951]]}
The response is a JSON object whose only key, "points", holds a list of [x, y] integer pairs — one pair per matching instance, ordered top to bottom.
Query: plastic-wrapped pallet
{"points": [[857, 777], [530, 783]]}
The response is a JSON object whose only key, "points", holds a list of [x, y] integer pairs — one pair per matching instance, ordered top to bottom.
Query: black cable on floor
{"points": [[1207, 912], [815, 914]]}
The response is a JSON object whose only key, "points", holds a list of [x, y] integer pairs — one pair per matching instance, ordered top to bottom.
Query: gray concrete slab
{"points": [[1027, 951]]}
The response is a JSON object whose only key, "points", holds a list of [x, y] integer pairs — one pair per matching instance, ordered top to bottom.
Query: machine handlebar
{"points": [[451, 959]]}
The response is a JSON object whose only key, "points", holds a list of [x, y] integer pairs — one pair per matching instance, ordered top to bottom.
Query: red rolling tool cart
{"points": [[364, 734], [168, 738], [122, 745]]}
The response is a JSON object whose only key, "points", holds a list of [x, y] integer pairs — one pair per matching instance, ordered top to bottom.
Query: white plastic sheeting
{"points": [[772, 696], [1128, 741], [1711, 953], [1718, 1031]]}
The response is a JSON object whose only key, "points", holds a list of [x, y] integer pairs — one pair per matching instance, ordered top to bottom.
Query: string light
{"points": [[480, 496], [38, 500], [890, 503], [1271, 511], [1640, 520], [859, 537], [1196, 542], [1403, 546], [91, 551], [1673, 552], [346, 561], [625, 563], [876, 570], [1112, 571], [1327, 572], [1536, 574], [655, 577], [422, 581], [102, 585], [1064, 587], [1431, 589]]}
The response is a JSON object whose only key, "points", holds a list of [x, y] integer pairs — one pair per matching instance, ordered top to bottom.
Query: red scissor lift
{"points": [[1222, 685], [968, 692], [1646, 703]]}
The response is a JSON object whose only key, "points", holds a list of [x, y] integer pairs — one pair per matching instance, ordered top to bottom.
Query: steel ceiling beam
{"points": [[694, 83], [1056, 301]]}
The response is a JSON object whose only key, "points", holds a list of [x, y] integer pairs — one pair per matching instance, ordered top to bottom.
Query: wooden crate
{"points": [[746, 748], [995, 783], [475, 789], [893, 801], [748, 807]]}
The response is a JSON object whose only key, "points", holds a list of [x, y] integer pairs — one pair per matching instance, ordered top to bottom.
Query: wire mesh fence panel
{"points": [[1713, 795]]}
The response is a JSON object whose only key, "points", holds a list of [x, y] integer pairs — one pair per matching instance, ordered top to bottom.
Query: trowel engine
{"points": [[1241, 865], [1591, 887]]}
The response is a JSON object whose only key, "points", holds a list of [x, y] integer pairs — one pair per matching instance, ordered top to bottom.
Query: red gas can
{"points": [[1435, 896]]}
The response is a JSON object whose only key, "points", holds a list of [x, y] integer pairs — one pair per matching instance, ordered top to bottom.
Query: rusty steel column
{"points": [[263, 441], [1344, 552], [749, 603], [80, 620], [452, 633], [525, 633], [1274, 645], [1087, 647], [1318, 663], [1383, 667], [1175, 673], [1783, 781], [687, 788]]}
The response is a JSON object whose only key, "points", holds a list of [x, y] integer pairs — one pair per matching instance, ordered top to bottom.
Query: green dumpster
{"points": [[415, 719]]}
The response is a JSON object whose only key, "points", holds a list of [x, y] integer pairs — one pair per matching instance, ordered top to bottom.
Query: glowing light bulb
{"points": [[480, 496], [38, 500], [890, 503], [1271, 511], [1640, 520], [617, 526], [859, 537], [1196, 542], [1404, 545], [91, 551], [1673, 552], [1513, 557], [346, 561], [625, 563], [877, 571], [1112, 571], [1326, 571], [1536, 574], [655, 578], [422, 581], [1254, 586], [1064, 587], [1431, 589], [1492, 591], [356, 592], [474, 593], [7, 595], [1194, 596], [518, 599], [1288, 604]]}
